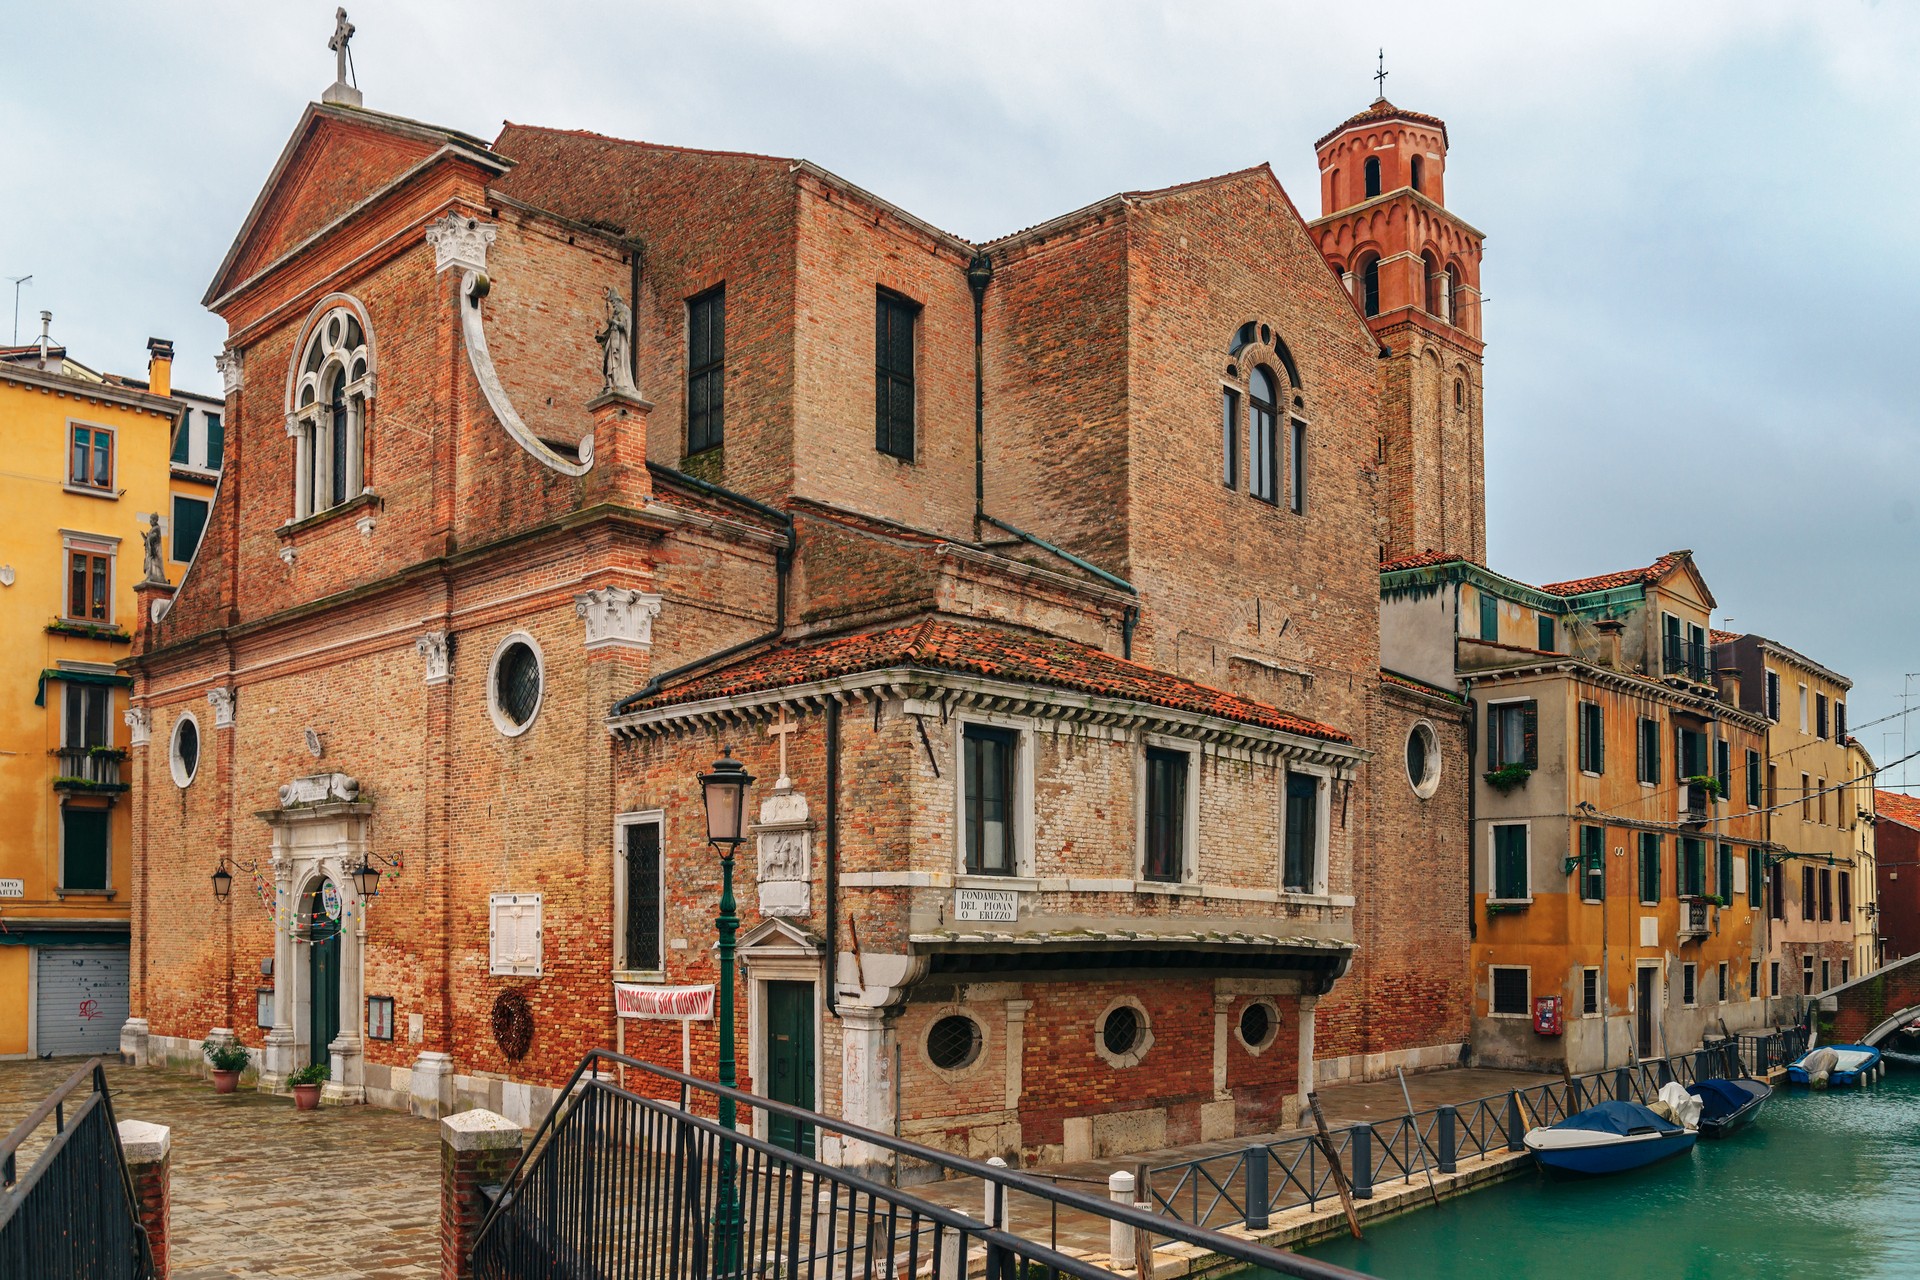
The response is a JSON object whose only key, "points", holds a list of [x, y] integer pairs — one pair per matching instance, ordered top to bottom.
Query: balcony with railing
{"points": [[1691, 659], [89, 770], [1694, 920]]}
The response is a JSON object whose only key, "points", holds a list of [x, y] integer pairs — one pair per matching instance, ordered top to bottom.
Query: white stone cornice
{"points": [[460, 243], [617, 617], [437, 648], [222, 701], [140, 723]]}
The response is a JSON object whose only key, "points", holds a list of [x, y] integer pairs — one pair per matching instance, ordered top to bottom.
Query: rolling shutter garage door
{"points": [[81, 1000]]}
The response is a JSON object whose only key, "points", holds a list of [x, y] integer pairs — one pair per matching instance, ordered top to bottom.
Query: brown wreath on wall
{"points": [[513, 1024]]}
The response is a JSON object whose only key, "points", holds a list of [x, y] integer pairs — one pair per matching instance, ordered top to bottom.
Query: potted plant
{"points": [[1508, 776], [228, 1058], [306, 1084]]}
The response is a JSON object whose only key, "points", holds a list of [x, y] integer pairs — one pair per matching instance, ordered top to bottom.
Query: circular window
{"points": [[515, 685], [184, 751], [1423, 760], [1259, 1024], [1120, 1031], [953, 1042]]}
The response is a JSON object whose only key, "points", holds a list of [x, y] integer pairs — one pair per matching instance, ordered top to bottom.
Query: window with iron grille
{"points": [[894, 320], [706, 370], [90, 462], [516, 683], [1593, 745], [988, 755], [1649, 762], [1166, 815], [1650, 854], [1300, 863], [1593, 864], [641, 867], [1511, 881], [1806, 975], [1510, 989], [1589, 991], [1725, 994], [1689, 995], [1120, 1031], [953, 1042]]}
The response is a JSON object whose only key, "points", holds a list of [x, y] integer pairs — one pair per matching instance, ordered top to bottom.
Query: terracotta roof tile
{"points": [[1381, 109], [1420, 560], [1625, 578], [1717, 636], [1023, 657], [1903, 809]]}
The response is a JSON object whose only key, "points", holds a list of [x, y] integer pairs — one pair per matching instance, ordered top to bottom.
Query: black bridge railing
{"points": [[620, 1183], [1247, 1187], [73, 1213]]}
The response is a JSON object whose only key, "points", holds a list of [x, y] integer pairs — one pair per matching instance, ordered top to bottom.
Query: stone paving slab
{"points": [[260, 1189]]}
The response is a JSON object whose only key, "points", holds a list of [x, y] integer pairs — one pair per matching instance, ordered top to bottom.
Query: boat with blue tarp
{"points": [[1839, 1066], [1727, 1105], [1609, 1138]]}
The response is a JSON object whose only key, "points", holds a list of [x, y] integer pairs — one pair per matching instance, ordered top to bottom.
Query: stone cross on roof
{"points": [[1379, 76], [340, 90]]}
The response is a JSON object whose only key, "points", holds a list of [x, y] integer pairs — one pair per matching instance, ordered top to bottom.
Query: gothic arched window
{"points": [[1373, 176], [1431, 281], [1369, 290], [1450, 296], [331, 391], [1263, 462]]}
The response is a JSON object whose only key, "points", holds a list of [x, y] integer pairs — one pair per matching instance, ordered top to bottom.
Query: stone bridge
{"points": [[1873, 1005]]}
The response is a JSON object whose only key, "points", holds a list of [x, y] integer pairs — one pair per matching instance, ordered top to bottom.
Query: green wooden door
{"points": [[323, 969], [789, 1057]]}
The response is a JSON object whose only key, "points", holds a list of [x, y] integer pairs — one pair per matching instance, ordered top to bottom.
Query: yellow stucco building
{"points": [[89, 462]]}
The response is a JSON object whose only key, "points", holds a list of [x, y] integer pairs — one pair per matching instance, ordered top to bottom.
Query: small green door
{"points": [[323, 969], [789, 1059]]}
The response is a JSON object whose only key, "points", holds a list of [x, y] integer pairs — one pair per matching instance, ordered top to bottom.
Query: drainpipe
{"points": [[634, 251], [1473, 739], [832, 859]]}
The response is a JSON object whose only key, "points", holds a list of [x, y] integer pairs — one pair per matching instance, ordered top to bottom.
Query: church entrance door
{"points": [[323, 969], [789, 1059]]}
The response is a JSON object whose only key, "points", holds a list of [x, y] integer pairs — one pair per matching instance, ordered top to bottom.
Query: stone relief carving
{"points": [[460, 242], [617, 617], [437, 648], [222, 701], [140, 722], [320, 788], [785, 843]]}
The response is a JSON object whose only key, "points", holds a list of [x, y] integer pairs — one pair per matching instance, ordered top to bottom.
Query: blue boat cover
{"points": [[1723, 1097], [1616, 1117]]}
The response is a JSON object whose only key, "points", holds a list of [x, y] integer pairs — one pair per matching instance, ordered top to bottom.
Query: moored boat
{"points": [[1837, 1065], [1727, 1105], [1609, 1138]]}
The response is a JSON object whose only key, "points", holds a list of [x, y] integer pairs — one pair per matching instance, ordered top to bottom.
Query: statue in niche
{"points": [[616, 347], [156, 562]]}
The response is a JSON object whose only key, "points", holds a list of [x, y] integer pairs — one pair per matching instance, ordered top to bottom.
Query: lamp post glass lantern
{"points": [[724, 791], [366, 879], [222, 883]]}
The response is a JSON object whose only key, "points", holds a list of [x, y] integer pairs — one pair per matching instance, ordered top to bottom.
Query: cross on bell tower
{"points": [[1379, 77], [341, 91]]}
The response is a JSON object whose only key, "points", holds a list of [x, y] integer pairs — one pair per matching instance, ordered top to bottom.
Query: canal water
{"points": [[1822, 1185]]}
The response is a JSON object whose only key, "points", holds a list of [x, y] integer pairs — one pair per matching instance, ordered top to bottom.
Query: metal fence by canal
{"points": [[633, 1176], [1246, 1187], [72, 1214]]}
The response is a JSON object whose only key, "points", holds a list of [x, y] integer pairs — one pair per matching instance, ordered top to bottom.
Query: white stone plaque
{"points": [[13, 888], [1000, 905]]}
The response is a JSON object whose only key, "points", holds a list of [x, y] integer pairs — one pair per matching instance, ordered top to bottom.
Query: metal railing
{"points": [[1687, 658], [90, 769], [1760, 1054], [620, 1181], [1247, 1187], [74, 1212]]}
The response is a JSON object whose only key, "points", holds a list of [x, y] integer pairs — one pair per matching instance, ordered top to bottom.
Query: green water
{"points": [[1822, 1185]]}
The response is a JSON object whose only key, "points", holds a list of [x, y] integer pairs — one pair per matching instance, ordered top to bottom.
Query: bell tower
{"points": [[1413, 268]]}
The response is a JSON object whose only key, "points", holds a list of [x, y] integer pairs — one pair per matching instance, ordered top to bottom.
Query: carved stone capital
{"points": [[460, 243], [231, 364], [617, 617], [437, 648], [222, 701], [141, 723]]}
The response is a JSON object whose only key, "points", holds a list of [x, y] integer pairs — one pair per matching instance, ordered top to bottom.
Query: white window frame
{"points": [[304, 421], [114, 488], [93, 544], [1804, 700], [1493, 706], [501, 721], [1580, 732], [183, 778], [1423, 788], [1190, 821], [1023, 822], [1526, 824], [1322, 829], [511, 967], [622, 970], [1724, 972], [1690, 985], [1599, 991], [1526, 1009], [1142, 1047]]}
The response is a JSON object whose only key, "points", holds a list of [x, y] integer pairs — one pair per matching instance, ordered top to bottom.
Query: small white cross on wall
{"points": [[780, 729]]}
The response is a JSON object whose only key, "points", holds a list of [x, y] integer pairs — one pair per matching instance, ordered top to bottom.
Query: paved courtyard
{"points": [[260, 1189]]}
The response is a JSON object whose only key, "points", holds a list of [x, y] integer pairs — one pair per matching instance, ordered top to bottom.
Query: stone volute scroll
{"points": [[460, 243], [617, 617]]}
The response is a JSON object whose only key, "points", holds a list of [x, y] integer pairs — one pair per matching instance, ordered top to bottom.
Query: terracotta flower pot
{"points": [[225, 1081], [306, 1096]]}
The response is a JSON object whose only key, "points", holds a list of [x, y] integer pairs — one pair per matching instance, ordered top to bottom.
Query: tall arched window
{"points": [[1417, 169], [1372, 170], [1431, 282], [1370, 286], [1450, 296], [331, 392], [1263, 462]]}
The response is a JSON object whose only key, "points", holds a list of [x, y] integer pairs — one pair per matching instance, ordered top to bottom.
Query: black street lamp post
{"points": [[724, 789]]}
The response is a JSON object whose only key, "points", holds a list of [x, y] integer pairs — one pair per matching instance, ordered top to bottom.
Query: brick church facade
{"points": [[1035, 580]]}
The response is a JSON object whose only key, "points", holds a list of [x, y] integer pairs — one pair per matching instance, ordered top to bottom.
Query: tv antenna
{"points": [[17, 282]]}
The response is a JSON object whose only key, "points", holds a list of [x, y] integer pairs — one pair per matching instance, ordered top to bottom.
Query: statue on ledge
{"points": [[616, 343], [156, 563]]}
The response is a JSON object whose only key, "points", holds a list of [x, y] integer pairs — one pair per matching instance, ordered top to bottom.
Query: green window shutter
{"points": [[180, 438], [216, 442], [189, 521], [1489, 617], [1546, 633], [1530, 717], [1493, 737], [1599, 739], [1753, 779], [83, 848], [1510, 862], [1725, 868], [1756, 877]]}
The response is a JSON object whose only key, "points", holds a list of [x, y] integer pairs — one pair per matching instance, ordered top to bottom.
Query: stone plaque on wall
{"points": [[785, 841]]}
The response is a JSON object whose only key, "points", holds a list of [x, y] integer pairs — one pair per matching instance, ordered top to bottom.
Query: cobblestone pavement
{"points": [[260, 1189]]}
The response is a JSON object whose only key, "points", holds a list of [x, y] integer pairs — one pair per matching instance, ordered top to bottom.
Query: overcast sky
{"points": [[1700, 267]]}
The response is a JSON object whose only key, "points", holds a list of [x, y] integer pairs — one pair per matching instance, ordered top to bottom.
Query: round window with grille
{"points": [[516, 685], [184, 758], [1423, 760], [1259, 1024], [1121, 1031], [953, 1043]]}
